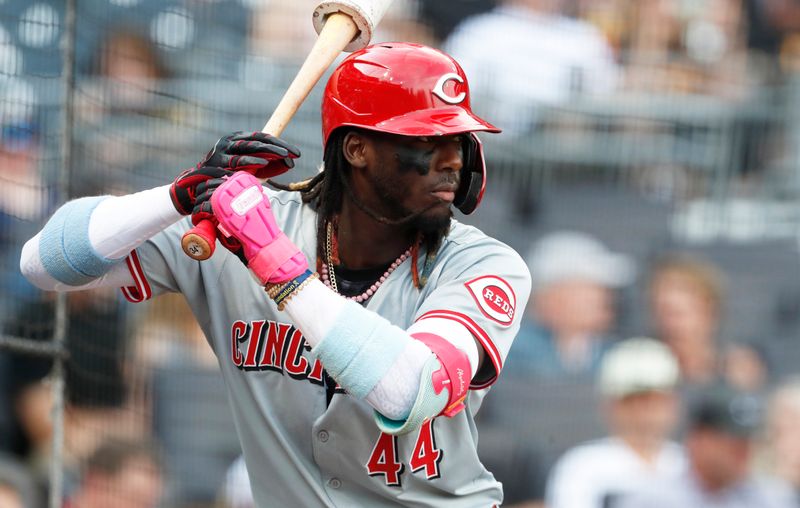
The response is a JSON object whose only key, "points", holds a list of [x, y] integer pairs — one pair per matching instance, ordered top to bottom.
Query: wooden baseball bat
{"points": [[200, 241]]}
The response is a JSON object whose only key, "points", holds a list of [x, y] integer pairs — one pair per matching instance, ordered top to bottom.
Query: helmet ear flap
{"points": [[470, 189]]}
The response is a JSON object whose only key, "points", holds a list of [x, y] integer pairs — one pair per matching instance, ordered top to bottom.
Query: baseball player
{"points": [[357, 325]]}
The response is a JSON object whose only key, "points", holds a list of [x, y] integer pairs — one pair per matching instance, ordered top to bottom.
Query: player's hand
{"points": [[261, 154], [183, 190], [203, 211], [243, 213]]}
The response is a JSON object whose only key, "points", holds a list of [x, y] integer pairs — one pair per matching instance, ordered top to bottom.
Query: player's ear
{"points": [[354, 148]]}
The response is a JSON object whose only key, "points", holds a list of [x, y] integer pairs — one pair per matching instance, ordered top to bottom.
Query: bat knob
{"points": [[199, 242]]}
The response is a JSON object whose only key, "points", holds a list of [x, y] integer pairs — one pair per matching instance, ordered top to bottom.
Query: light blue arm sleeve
{"points": [[64, 246], [360, 348]]}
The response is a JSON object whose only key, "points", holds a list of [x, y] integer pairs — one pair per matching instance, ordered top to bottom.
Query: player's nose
{"points": [[450, 155]]}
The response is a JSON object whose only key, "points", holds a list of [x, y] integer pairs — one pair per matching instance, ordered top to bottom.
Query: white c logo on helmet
{"points": [[439, 92]]}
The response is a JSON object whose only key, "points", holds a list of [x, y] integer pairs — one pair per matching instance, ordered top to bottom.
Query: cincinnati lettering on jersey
{"points": [[279, 347]]}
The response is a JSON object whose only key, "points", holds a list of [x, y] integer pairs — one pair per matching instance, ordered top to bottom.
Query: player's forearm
{"points": [[119, 224], [83, 243], [317, 310], [387, 377]]}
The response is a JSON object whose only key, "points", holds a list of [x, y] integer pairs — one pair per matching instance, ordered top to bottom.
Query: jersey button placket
{"points": [[323, 436], [334, 483]]}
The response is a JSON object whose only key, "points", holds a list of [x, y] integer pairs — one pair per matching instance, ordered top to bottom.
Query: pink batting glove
{"points": [[243, 212]]}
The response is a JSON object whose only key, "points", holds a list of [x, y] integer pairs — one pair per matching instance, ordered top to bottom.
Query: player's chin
{"points": [[434, 220]]}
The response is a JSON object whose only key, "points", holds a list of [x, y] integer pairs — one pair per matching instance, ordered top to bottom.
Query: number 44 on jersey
{"points": [[384, 458]]}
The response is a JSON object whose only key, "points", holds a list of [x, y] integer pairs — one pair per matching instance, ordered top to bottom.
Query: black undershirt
{"points": [[352, 283]]}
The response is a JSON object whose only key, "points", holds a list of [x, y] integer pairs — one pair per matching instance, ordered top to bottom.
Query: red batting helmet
{"points": [[411, 90]]}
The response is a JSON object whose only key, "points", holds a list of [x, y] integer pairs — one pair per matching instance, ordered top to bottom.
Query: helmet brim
{"points": [[435, 122]]}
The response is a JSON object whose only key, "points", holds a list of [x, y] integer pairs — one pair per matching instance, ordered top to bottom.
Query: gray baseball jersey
{"points": [[302, 449]]}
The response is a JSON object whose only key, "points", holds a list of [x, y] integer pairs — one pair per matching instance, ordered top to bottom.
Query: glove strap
{"points": [[268, 264]]}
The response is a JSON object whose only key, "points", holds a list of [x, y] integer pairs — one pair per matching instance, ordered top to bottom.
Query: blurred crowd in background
{"points": [[648, 172]]}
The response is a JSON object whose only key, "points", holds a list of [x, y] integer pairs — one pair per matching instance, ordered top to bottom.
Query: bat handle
{"points": [[200, 241]]}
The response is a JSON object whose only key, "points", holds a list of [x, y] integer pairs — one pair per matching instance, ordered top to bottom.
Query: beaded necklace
{"points": [[328, 276]]}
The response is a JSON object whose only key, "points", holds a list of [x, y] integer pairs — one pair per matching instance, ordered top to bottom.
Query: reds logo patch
{"points": [[494, 297]]}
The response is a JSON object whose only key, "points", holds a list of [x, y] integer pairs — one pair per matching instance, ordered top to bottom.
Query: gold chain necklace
{"points": [[329, 256], [328, 276]]}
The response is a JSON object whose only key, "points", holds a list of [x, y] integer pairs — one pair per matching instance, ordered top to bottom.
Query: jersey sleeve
{"points": [[158, 265], [485, 288]]}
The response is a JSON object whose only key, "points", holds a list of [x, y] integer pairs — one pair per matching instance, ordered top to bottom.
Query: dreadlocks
{"points": [[326, 190]]}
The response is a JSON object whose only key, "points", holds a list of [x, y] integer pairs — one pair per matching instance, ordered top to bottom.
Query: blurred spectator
{"points": [[445, 16], [403, 22], [282, 31], [773, 36], [684, 47], [525, 54], [131, 65], [118, 108], [23, 194], [686, 298], [571, 309], [167, 334], [96, 340], [553, 362], [745, 366], [637, 381], [95, 382], [178, 387], [30, 400], [32, 407], [719, 445], [779, 454], [120, 474], [17, 488], [236, 491], [9, 496]]}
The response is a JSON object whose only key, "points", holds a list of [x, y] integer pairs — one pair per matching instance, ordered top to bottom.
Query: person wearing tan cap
{"points": [[571, 311], [637, 380]]}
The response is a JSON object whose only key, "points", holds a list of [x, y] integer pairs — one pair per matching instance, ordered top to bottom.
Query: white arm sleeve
{"points": [[121, 223], [117, 226], [316, 308]]}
